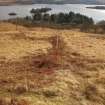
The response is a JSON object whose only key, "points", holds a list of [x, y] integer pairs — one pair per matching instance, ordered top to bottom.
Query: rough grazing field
{"points": [[29, 69]]}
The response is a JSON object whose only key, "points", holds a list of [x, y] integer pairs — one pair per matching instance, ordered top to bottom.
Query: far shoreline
{"points": [[97, 7]]}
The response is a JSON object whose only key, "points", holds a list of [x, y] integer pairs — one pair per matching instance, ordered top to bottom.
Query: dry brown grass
{"points": [[76, 78], [4, 101]]}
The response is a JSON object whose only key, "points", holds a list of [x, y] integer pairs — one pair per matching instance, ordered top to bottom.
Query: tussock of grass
{"points": [[91, 92], [49, 94], [4, 101]]}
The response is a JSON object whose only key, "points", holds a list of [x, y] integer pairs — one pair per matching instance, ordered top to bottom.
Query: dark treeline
{"points": [[42, 15], [42, 18]]}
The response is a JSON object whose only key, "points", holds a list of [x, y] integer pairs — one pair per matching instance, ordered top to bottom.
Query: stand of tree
{"points": [[42, 16]]}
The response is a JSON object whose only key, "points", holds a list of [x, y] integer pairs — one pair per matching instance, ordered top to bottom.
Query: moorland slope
{"points": [[31, 69]]}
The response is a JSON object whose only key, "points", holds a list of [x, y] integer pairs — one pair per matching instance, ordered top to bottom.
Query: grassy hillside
{"points": [[7, 2], [34, 68]]}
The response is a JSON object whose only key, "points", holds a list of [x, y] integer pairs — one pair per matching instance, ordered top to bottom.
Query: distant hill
{"points": [[71, 1], [7, 2]]}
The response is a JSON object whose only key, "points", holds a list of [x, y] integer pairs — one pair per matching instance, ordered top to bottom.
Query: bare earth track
{"points": [[27, 62]]}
